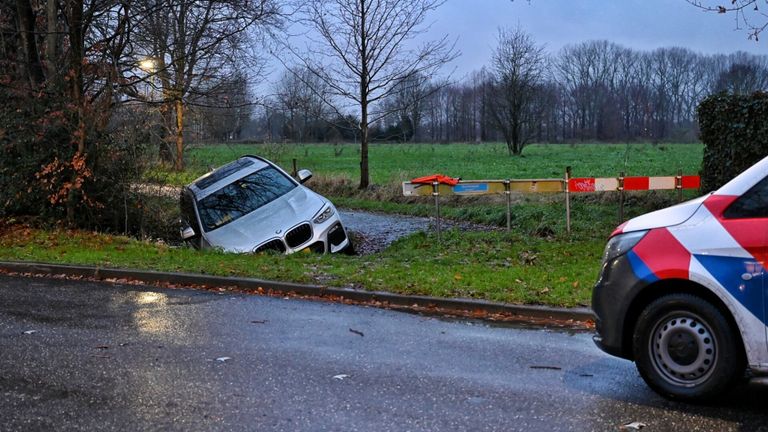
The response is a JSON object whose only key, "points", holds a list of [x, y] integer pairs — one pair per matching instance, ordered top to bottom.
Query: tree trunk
{"points": [[26, 23], [51, 38], [76, 54], [364, 82], [517, 141], [179, 164], [364, 174]]}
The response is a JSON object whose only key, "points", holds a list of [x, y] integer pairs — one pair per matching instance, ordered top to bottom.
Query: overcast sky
{"points": [[641, 24]]}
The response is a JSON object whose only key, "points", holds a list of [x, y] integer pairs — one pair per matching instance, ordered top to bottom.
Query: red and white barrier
{"points": [[593, 184], [438, 185]]}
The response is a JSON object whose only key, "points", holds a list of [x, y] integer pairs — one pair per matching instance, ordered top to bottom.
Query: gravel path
{"points": [[373, 232]]}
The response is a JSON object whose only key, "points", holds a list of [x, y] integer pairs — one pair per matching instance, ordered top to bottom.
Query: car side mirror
{"points": [[304, 175], [187, 233]]}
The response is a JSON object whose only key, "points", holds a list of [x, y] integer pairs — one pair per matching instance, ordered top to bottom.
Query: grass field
{"points": [[397, 162]]}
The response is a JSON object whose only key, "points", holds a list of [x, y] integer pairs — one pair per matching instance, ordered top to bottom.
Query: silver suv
{"points": [[251, 205]]}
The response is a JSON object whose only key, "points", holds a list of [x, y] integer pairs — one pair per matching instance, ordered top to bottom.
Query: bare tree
{"points": [[746, 13], [193, 46], [363, 48], [519, 66], [742, 78], [301, 96], [406, 105], [222, 115]]}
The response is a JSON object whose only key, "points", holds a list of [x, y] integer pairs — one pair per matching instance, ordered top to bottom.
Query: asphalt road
{"points": [[93, 356]]}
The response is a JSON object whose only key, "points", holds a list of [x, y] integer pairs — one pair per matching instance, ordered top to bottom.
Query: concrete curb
{"points": [[153, 277]]}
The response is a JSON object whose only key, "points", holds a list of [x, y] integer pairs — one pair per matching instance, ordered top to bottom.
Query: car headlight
{"points": [[324, 216], [620, 244]]}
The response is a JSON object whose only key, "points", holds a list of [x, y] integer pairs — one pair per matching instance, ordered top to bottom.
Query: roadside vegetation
{"points": [[536, 263], [496, 266]]}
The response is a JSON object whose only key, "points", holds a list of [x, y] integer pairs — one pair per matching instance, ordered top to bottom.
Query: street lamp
{"points": [[149, 65]]}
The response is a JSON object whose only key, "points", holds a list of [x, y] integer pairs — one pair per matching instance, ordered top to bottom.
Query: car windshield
{"points": [[242, 197]]}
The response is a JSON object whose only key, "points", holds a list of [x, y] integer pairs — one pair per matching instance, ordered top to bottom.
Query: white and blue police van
{"points": [[681, 291]]}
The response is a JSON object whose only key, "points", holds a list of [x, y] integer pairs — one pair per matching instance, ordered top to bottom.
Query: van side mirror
{"points": [[304, 175]]}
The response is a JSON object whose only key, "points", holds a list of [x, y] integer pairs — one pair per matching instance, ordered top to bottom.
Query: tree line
{"points": [[589, 91]]}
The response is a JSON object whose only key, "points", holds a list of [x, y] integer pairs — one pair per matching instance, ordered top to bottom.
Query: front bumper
{"points": [[327, 237], [330, 237], [335, 238], [612, 296]]}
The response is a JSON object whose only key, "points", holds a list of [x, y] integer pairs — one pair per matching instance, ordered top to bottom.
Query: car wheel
{"points": [[685, 348]]}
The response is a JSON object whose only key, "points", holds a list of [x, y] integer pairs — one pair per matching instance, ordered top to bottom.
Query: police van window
{"points": [[753, 204]]}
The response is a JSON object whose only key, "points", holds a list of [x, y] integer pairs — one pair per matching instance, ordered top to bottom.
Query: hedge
{"points": [[734, 129]]}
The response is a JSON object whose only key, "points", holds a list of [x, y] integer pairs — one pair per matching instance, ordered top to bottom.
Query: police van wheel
{"points": [[685, 349]]}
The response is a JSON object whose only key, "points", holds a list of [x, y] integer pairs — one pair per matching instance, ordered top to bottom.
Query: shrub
{"points": [[734, 129], [43, 175]]}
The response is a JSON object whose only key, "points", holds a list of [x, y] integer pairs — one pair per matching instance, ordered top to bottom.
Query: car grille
{"points": [[299, 235], [336, 235], [272, 245]]}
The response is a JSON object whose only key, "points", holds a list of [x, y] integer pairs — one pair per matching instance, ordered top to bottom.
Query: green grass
{"points": [[398, 162], [504, 267]]}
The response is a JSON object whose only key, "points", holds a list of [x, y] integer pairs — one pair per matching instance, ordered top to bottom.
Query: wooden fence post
{"points": [[508, 192], [436, 194], [621, 197], [567, 199]]}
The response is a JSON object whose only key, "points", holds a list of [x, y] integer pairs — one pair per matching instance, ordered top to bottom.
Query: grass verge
{"points": [[504, 267]]}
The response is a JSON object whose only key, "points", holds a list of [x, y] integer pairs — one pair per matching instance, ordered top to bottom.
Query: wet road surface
{"points": [[94, 356]]}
